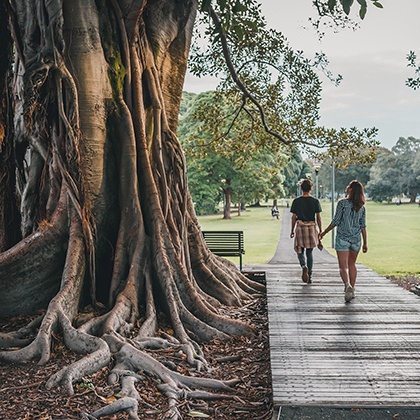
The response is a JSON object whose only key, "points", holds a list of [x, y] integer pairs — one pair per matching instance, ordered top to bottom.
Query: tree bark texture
{"points": [[95, 206]]}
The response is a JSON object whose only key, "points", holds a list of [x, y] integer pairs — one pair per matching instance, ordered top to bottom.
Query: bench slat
{"points": [[226, 243]]}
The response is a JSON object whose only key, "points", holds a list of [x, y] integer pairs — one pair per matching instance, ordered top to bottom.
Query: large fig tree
{"points": [[94, 205]]}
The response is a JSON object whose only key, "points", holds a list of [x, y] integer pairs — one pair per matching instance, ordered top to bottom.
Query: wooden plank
{"points": [[328, 352]]}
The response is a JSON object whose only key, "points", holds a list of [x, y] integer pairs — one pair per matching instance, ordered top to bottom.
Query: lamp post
{"points": [[317, 166], [332, 201]]}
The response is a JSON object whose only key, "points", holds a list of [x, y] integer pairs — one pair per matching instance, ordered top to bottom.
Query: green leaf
{"points": [[331, 4], [377, 4], [205, 5], [346, 6], [238, 7], [363, 8], [253, 25], [239, 31]]}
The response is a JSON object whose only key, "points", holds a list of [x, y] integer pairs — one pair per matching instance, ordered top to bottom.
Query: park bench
{"points": [[226, 243]]}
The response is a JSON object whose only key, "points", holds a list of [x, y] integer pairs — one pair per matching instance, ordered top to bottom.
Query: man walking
{"points": [[306, 216]]}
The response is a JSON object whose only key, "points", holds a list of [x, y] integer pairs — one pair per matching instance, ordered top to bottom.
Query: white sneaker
{"points": [[349, 293]]}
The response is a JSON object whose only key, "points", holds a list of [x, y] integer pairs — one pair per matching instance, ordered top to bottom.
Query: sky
{"points": [[372, 61]]}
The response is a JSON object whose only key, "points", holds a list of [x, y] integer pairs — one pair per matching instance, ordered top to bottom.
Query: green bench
{"points": [[226, 243]]}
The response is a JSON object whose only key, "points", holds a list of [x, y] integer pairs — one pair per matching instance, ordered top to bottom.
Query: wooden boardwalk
{"points": [[325, 352]]}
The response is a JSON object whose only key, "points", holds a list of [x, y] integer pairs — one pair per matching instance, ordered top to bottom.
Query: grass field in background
{"points": [[261, 232], [393, 235]]}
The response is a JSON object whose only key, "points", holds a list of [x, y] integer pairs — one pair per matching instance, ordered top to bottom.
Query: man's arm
{"points": [[319, 222], [292, 233]]}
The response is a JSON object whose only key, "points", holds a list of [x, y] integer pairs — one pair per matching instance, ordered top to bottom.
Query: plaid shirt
{"points": [[306, 236]]}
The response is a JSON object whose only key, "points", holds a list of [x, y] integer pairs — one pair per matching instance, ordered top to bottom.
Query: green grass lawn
{"points": [[261, 232], [393, 235], [393, 238]]}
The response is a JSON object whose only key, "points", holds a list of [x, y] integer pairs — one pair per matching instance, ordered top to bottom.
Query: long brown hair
{"points": [[356, 195]]}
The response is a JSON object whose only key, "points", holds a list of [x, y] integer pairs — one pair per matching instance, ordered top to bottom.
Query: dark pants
{"points": [[309, 259]]}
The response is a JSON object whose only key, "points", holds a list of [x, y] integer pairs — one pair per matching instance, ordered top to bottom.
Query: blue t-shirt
{"points": [[348, 221]]}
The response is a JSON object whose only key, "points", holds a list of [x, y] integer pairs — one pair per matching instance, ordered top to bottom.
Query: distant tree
{"points": [[186, 103], [406, 146], [407, 152], [247, 162], [416, 164], [295, 170], [396, 171], [343, 175], [384, 177], [213, 178], [259, 179], [205, 184], [382, 189]]}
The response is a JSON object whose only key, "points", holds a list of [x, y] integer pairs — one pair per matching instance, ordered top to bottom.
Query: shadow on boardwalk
{"points": [[337, 360]]}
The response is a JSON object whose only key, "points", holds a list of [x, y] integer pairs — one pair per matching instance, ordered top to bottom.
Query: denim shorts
{"points": [[343, 245]]}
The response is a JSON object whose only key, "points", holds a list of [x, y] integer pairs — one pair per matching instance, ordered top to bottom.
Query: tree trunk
{"points": [[227, 192], [94, 203]]}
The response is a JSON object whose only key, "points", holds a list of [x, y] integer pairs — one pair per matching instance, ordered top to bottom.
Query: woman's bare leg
{"points": [[352, 257], [343, 264]]}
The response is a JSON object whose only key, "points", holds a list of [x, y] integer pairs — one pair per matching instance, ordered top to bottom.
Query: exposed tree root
{"points": [[13, 340], [129, 359], [175, 386], [127, 404]]}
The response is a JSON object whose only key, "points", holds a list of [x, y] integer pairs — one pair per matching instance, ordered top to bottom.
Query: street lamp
{"points": [[317, 166], [332, 201]]}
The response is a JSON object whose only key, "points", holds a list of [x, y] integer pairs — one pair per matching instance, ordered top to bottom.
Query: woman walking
{"points": [[350, 219]]}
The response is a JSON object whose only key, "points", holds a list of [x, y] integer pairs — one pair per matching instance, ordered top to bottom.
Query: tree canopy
{"points": [[277, 87]]}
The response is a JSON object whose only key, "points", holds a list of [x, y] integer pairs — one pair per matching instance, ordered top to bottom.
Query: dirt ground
{"points": [[408, 282], [23, 395]]}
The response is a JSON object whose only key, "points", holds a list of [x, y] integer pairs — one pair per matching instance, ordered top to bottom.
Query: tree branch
{"points": [[247, 94]]}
